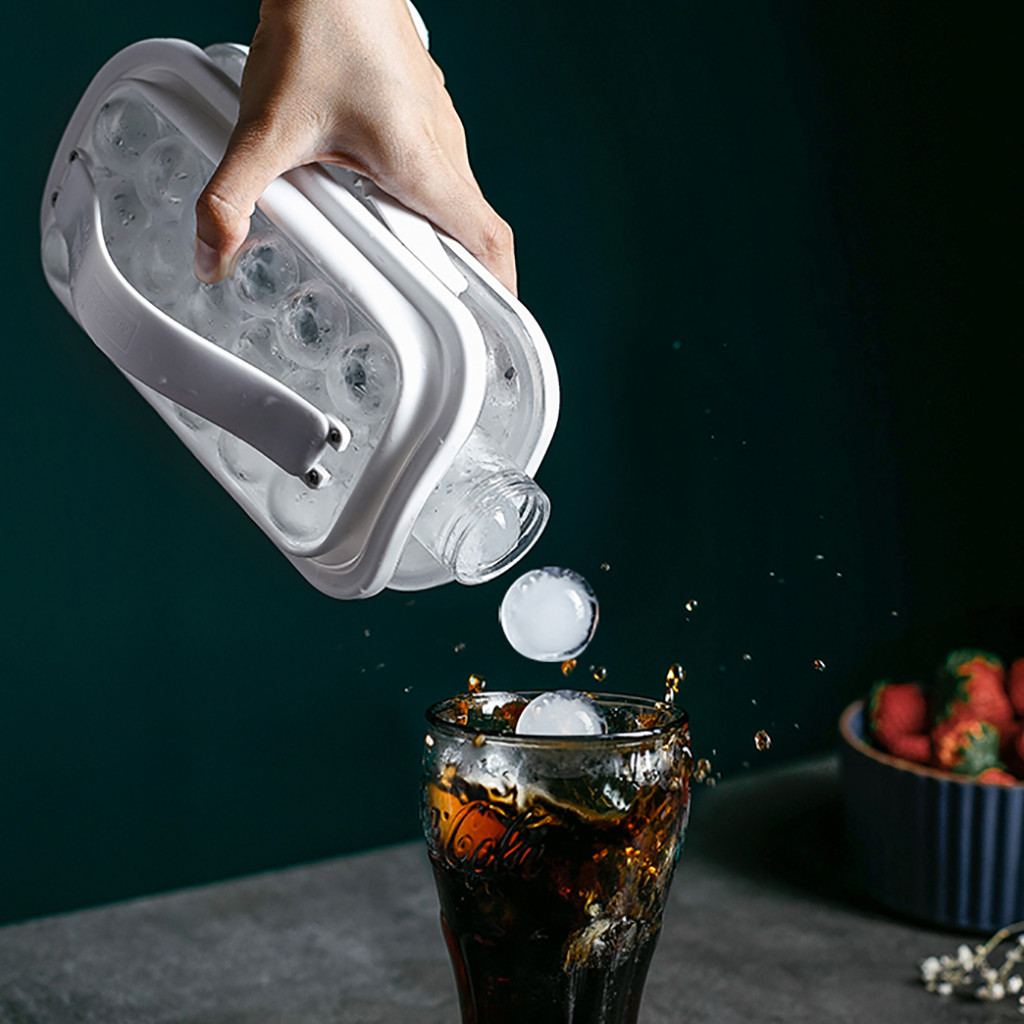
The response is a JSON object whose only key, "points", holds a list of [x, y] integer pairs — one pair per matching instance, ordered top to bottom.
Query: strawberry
{"points": [[970, 684], [1015, 685], [898, 720], [965, 745], [911, 747], [996, 777]]}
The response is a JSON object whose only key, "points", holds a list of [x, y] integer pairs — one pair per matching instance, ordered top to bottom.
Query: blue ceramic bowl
{"points": [[930, 845]]}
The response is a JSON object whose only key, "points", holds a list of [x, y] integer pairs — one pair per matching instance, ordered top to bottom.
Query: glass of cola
{"points": [[553, 854]]}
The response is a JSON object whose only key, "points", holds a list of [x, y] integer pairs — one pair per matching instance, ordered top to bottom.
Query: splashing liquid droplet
{"points": [[819, 557], [605, 567], [691, 604], [460, 646], [747, 657], [819, 664], [568, 667], [600, 673], [675, 675], [477, 684], [407, 689], [429, 740], [479, 740], [762, 740], [703, 770]]}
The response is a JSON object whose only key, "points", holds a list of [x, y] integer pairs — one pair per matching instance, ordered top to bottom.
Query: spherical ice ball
{"points": [[549, 614]]}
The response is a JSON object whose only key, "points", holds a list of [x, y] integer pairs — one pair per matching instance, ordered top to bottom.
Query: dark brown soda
{"points": [[551, 906]]}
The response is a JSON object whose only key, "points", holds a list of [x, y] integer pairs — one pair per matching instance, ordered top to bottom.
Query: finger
{"points": [[252, 161], [455, 204]]}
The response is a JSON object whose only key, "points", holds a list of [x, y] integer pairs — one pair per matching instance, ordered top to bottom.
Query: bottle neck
{"points": [[484, 515]]}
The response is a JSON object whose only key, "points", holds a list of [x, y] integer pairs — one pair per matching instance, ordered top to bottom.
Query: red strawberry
{"points": [[971, 684], [1015, 685], [898, 720], [965, 745], [912, 747], [997, 777]]}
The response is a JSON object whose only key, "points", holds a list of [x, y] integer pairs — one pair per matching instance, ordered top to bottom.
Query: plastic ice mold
{"points": [[372, 397]]}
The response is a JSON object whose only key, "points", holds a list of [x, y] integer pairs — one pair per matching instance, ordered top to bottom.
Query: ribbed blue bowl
{"points": [[930, 845]]}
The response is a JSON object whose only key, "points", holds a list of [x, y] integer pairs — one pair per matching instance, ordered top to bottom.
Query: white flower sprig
{"points": [[971, 973]]}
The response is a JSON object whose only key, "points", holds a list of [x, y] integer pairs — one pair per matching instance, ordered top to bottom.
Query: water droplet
{"points": [[677, 345], [605, 567], [771, 572], [839, 575], [691, 604], [894, 613], [366, 632], [460, 646], [747, 657], [819, 664], [568, 666], [600, 673], [675, 675], [477, 684], [406, 689], [753, 700], [796, 725], [479, 739], [429, 740], [762, 740], [702, 770], [711, 783]]}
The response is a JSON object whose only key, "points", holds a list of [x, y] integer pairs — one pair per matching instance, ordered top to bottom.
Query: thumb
{"points": [[252, 161]]}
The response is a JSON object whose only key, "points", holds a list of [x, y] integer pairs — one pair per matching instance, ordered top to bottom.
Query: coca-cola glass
{"points": [[553, 855]]}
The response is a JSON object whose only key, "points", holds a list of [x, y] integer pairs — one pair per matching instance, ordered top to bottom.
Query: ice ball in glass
{"points": [[561, 713]]}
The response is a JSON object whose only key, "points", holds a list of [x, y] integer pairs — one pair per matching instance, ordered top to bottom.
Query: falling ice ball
{"points": [[549, 614], [561, 713]]}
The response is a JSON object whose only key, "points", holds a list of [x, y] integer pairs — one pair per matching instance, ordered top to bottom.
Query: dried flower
{"points": [[971, 972]]}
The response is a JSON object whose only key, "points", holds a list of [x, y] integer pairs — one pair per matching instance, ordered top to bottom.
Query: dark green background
{"points": [[775, 246]]}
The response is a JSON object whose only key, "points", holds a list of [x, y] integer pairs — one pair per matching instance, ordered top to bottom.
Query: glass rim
{"points": [[678, 721]]}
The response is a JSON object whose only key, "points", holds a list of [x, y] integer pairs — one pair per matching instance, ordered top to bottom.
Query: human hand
{"points": [[347, 82]]}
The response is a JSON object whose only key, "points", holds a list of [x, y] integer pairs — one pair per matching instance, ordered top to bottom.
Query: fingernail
{"points": [[207, 261]]}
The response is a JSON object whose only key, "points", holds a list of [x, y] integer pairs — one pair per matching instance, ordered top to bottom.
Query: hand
{"points": [[347, 82]]}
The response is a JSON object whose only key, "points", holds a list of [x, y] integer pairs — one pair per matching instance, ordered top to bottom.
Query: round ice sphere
{"points": [[229, 58], [124, 129], [169, 176], [124, 217], [55, 254], [161, 265], [266, 270], [213, 311], [313, 319], [257, 344], [362, 381], [244, 461], [300, 511], [549, 614], [561, 713]]}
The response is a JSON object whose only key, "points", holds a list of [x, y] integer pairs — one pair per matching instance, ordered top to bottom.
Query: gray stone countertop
{"points": [[761, 927]]}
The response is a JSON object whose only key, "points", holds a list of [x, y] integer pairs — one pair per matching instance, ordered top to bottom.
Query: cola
{"points": [[553, 856]]}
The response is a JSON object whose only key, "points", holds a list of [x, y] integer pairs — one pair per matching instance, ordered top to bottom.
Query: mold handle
{"points": [[156, 350]]}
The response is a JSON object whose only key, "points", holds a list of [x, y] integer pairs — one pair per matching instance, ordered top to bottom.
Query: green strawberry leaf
{"points": [[980, 750]]}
